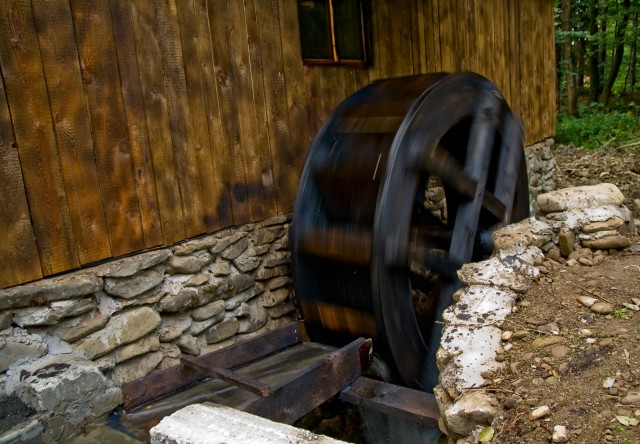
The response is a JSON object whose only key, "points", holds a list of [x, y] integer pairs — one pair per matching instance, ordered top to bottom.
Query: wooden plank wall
{"points": [[131, 124]]}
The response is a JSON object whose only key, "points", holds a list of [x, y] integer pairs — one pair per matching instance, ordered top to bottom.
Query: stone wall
{"points": [[541, 169], [576, 227], [103, 326]]}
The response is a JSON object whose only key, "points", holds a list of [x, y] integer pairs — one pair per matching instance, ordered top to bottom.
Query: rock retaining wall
{"points": [[577, 227], [100, 327]]}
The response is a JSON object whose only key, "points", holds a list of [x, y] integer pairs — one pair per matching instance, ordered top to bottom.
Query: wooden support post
{"points": [[229, 376], [170, 380], [295, 397], [413, 405]]}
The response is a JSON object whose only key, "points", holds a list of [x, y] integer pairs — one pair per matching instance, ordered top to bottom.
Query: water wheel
{"points": [[402, 185]]}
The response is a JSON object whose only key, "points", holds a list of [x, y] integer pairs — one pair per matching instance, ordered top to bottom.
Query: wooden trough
{"points": [[288, 397]]}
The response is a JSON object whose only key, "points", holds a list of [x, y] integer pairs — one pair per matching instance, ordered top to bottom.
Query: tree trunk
{"points": [[602, 41], [619, 51], [632, 56], [594, 69], [572, 102]]}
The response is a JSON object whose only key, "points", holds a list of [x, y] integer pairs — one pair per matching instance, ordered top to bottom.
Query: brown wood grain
{"points": [[54, 26], [96, 48], [447, 48], [149, 58], [246, 64], [132, 95], [28, 102], [296, 103], [229, 113], [182, 131], [283, 152], [212, 189], [220, 202], [17, 240]]}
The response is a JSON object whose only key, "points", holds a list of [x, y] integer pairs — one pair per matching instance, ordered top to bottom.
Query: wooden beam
{"points": [[229, 376], [172, 379], [297, 396], [413, 405]]}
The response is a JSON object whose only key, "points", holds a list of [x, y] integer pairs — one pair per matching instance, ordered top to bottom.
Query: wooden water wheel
{"points": [[402, 185]]}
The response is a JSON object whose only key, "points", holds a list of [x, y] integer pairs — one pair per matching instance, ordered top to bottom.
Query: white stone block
{"points": [[216, 424]]}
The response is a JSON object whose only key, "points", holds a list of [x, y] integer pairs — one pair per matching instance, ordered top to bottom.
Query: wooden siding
{"points": [[132, 124]]}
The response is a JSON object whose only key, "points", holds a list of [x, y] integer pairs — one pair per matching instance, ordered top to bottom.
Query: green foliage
{"points": [[596, 126]]}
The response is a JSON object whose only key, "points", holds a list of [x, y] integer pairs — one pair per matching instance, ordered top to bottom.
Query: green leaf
{"points": [[624, 420], [486, 435]]}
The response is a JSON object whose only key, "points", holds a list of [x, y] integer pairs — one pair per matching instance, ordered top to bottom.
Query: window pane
{"points": [[348, 29], [315, 37]]}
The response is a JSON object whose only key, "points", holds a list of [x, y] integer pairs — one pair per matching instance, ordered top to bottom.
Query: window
{"points": [[332, 32]]}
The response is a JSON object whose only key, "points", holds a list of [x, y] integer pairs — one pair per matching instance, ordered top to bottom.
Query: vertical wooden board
{"points": [[398, 14], [416, 17], [383, 24], [54, 27], [431, 28], [446, 36], [471, 37], [498, 44], [437, 45], [96, 48], [149, 57], [375, 70], [526, 73], [295, 86], [226, 90], [314, 95], [512, 95], [33, 129], [138, 135], [182, 135], [217, 142], [283, 152], [212, 188], [260, 190], [264, 202], [19, 260]]}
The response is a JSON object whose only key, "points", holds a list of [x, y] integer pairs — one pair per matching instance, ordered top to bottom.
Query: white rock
{"points": [[580, 197], [576, 219], [587, 301], [481, 304], [466, 353], [471, 409], [539, 412], [560, 434]]}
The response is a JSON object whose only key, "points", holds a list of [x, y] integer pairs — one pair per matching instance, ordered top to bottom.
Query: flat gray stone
{"points": [[525, 233], [267, 235], [227, 238], [615, 241], [194, 245], [236, 249], [189, 264], [132, 265], [264, 273], [71, 286], [132, 286], [244, 296], [272, 298], [177, 302], [57, 310], [281, 310], [207, 311], [256, 318], [172, 326], [124, 327], [73, 329], [222, 331], [17, 344], [124, 353], [135, 368]]}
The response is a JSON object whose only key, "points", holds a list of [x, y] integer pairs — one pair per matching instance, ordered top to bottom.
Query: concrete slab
{"points": [[216, 424]]}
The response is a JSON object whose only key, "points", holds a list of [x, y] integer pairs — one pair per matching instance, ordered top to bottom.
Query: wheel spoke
{"points": [[511, 156], [477, 163], [442, 164]]}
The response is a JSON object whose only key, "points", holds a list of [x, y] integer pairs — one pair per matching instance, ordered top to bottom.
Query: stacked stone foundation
{"points": [[101, 327]]}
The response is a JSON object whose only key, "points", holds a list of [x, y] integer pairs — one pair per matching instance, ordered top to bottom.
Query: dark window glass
{"points": [[315, 29], [348, 29], [332, 31]]}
